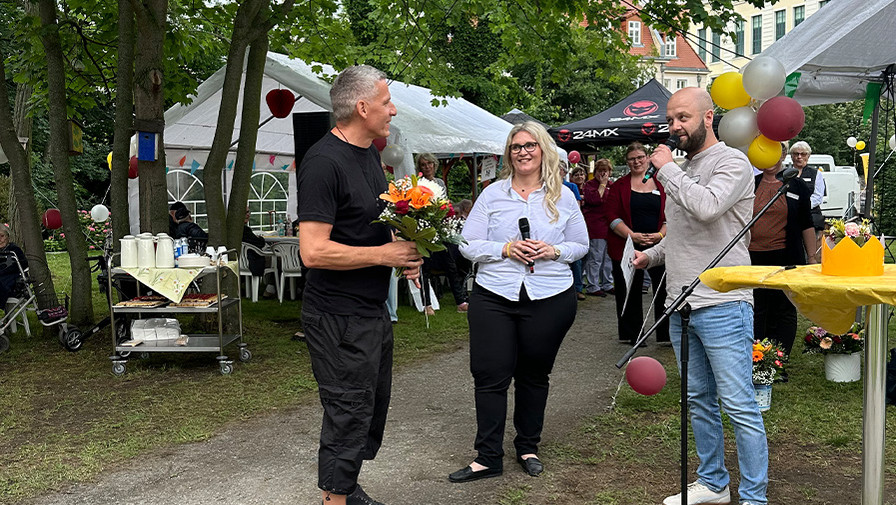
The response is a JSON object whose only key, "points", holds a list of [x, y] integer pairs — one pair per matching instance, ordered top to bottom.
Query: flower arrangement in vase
{"points": [[861, 255], [819, 341], [768, 361]]}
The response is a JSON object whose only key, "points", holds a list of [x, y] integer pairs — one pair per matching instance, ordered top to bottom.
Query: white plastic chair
{"points": [[290, 266], [253, 281], [12, 304]]}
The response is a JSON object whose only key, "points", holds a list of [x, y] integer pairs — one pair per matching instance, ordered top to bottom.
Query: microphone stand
{"points": [[684, 310]]}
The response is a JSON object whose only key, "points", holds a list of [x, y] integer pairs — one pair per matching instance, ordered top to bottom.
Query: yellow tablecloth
{"points": [[171, 283], [827, 300]]}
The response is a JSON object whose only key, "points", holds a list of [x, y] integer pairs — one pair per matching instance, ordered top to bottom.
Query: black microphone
{"points": [[672, 142], [788, 173], [524, 233]]}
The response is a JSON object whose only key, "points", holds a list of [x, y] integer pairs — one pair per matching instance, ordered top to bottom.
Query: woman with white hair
{"points": [[523, 300]]}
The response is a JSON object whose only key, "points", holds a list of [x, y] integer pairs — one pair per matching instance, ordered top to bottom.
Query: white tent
{"points": [[839, 50]]}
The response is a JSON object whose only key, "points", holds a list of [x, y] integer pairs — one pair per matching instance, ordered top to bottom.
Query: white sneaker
{"points": [[698, 493]]}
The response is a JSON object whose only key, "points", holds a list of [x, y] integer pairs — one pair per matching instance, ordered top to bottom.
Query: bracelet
{"points": [[661, 235], [507, 250]]}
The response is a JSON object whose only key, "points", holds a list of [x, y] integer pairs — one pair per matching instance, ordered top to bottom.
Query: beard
{"points": [[695, 139]]}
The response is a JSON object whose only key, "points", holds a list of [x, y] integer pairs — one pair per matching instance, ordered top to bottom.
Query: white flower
{"points": [[437, 192]]}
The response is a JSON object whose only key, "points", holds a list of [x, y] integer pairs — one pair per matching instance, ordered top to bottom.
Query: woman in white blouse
{"points": [[523, 301]]}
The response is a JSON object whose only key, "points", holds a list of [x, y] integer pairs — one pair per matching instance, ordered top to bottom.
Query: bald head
{"points": [[689, 114]]}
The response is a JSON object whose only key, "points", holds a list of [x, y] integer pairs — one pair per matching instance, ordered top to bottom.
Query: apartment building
{"points": [[677, 64]]}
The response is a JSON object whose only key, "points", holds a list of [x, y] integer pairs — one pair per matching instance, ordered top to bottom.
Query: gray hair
{"points": [[352, 85], [801, 146], [427, 157], [4, 230]]}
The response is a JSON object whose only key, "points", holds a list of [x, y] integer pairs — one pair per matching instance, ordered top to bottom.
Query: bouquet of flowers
{"points": [[420, 212], [838, 230], [819, 341], [768, 361]]}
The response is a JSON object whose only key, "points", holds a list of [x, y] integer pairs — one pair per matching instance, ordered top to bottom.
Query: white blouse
{"points": [[494, 221]]}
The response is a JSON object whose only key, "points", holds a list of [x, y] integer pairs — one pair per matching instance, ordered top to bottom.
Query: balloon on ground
{"points": [[764, 77], [728, 91], [780, 118], [738, 127], [764, 152], [645, 375]]}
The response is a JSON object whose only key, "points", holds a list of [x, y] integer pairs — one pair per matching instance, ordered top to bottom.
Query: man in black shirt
{"points": [[344, 316]]}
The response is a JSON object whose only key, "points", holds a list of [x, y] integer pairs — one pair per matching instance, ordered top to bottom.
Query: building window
{"points": [[822, 3], [799, 15], [780, 24], [634, 32], [757, 34], [739, 37], [701, 43], [716, 45], [670, 46], [667, 83], [681, 83]]}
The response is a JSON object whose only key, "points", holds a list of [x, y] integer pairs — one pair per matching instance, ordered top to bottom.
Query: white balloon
{"points": [[764, 77], [738, 127], [851, 141], [892, 142], [133, 149], [392, 155], [99, 213]]}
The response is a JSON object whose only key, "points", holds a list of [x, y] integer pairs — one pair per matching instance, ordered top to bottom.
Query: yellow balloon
{"points": [[728, 91], [860, 145], [764, 152], [109, 160]]}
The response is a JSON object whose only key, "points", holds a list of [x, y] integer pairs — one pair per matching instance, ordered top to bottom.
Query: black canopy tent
{"points": [[640, 117]]}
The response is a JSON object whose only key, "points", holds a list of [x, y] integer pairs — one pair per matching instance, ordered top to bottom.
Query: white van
{"points": [[842, 186]]}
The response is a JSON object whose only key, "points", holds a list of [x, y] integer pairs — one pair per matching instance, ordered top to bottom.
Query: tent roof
{"points": [[839, 50], [517, 116], [641, 116], [459, 127]]}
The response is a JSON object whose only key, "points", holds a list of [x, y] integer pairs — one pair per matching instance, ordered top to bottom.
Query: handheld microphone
{"points": [[672, 142], [524, 233]]}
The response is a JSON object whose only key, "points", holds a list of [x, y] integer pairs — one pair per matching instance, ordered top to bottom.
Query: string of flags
{"points": [[272, 161]]}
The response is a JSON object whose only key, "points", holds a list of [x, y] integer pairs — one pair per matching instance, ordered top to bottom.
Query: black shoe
{"points": [[532, 465], [466, 474], [359, 497]]}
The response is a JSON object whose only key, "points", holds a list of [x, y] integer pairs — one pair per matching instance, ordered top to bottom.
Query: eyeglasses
{"points": [[528, 146], [794, 155], [636, 158]]}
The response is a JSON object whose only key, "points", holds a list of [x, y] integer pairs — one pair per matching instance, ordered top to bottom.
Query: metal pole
{"points": [[874, 419]]}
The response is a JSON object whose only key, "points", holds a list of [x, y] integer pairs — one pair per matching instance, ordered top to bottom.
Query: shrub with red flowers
{"points": [[819, 341], [768, 361]]}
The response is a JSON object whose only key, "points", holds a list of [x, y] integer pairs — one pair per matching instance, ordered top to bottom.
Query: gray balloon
{"points": [[764, 78], [738, 127], [392, 155]]}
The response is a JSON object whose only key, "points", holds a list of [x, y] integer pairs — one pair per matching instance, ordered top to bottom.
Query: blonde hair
{"points": [[601, 163], [550, 164]]}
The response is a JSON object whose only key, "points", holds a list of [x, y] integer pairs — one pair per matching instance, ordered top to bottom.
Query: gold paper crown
{"points": [[848, 259]]}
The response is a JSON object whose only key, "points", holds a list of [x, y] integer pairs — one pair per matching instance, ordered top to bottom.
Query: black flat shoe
{"points": [[532, 466], [466, 474], [359, 497]]}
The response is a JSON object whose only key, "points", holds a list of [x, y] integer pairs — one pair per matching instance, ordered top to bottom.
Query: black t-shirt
{"points": [[340, 184]]}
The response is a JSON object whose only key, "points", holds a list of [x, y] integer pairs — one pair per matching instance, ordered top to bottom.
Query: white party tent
{"points": [[457, 127]]}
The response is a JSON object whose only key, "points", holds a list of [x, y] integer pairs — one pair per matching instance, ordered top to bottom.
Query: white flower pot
{"points": [[843, 367], [763, 396]]}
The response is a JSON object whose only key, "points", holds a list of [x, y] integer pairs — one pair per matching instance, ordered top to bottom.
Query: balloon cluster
{"points": [[758, 119], [856, 144]]}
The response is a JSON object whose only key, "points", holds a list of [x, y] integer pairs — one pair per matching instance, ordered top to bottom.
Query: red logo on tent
{"points": [[640, 108], [648, 129], [564, 135]]}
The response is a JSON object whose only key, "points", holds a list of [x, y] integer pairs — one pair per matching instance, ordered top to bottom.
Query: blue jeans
{"points": [[577, 282], [720, 368]]}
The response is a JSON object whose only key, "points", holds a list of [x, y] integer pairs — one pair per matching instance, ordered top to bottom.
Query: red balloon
{"points": [[280, 101], [780, 118], [380, 143], [574, 157], [390, 169], [133, 172], [52, 219], [645, 375]]}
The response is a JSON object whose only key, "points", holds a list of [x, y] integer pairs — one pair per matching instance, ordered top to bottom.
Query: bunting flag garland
{"points": [[271, 159], [182, 161], [230, 165], [194, 166], [284, 167]]}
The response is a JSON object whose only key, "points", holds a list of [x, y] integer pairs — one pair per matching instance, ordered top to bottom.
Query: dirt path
{"points": [[430, 434]]}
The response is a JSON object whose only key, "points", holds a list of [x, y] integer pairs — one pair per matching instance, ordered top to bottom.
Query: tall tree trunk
{"points": [[149, 105], [23, 121], [124, 122], [245, 154], [29, 224], [82, 305]]}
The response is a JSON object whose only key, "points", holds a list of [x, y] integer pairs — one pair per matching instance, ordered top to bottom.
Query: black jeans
{"points": [[444, 261], [774, 316], [629, 324], [518, 341], [351, 357]]}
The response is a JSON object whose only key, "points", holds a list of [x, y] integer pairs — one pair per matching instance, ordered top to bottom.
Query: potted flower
{"points": [[857, 232], [861, 255], [842, 353], [768, 362]]}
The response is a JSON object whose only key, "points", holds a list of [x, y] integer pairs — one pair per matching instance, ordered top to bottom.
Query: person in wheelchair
{"points": [[12, 283]]}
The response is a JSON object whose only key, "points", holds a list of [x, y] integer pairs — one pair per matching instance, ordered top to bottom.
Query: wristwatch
{"points": [[556, 253]]}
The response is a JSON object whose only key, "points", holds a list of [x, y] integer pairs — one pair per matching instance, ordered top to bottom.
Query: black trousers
{"points": [[446, 262], [774, 316], [629, 324], [518, 341], [351, 357]]}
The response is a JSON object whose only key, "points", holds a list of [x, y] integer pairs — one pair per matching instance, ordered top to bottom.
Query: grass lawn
{"points": [[65, 417]]}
